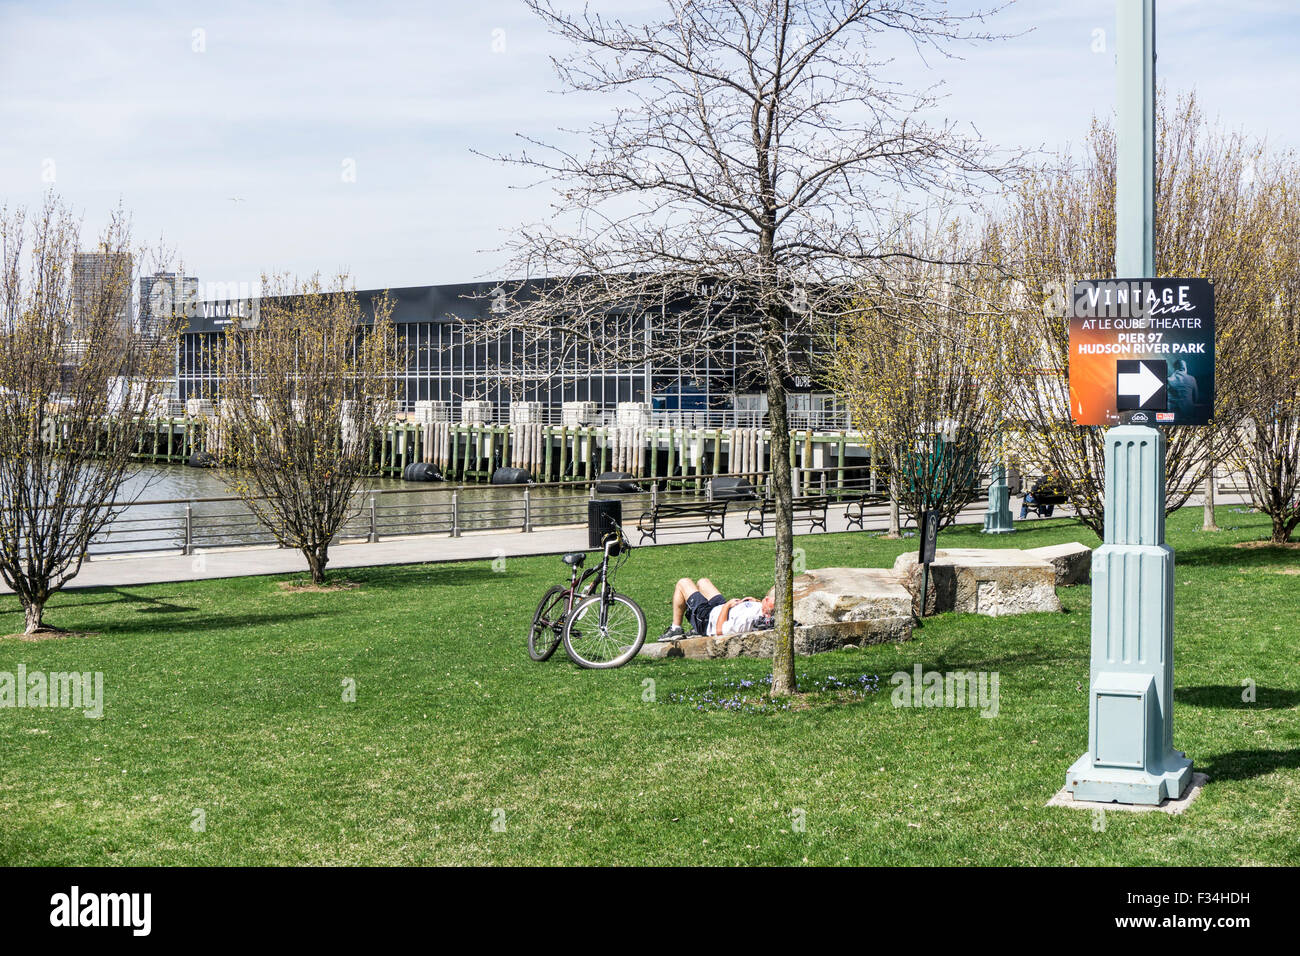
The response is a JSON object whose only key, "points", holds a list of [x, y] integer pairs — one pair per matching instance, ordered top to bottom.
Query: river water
{"points": [[160, 482], [161, 496]]}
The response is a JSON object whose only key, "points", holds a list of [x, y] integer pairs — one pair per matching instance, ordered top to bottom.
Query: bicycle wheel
{"points": [[548, 622], [613, 645]]}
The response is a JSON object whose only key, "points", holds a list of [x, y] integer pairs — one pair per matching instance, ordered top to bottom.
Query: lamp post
{"points": [[1130, 756]]}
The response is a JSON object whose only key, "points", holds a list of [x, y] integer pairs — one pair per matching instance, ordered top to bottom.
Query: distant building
{"points": [[93, 276], [166, 297], [439, 334]]}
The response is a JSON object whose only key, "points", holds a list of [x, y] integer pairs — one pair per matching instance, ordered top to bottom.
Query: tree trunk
{"points": [[1208, 524], [895, 530], [317, 558], [33, 612], [783, 680]]}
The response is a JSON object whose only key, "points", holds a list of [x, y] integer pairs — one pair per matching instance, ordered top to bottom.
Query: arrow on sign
{"points": [[1142, 384]]}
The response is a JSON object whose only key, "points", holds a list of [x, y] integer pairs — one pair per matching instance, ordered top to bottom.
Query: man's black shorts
{"points": [[698, 608]]}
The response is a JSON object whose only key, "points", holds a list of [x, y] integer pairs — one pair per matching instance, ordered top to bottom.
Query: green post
{"points": [[997, 519]]}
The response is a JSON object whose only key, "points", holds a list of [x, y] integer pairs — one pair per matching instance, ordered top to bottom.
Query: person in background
{"points": [[1043, 496], [712, 615]]}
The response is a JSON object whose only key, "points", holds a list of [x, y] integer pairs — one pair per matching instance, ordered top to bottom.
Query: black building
{"points": [[440, 329]]}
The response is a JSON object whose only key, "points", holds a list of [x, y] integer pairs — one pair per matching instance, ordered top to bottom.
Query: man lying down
{"points": [[710, 614]]}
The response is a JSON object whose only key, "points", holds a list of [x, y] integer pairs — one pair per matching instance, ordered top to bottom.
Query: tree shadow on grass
{"points": [[1227, 556], [425, 575], [151, 605], [211, 622], [1229, 696], [1247, 764]]}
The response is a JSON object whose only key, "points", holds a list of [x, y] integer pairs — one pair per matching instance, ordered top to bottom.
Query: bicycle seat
{"points": [[575, 558]]}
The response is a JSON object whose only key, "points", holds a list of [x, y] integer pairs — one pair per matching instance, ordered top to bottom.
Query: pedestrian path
{"points": [[123, 570]]}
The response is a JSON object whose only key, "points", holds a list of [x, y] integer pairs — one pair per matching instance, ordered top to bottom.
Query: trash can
{"points": [[602, 516]]}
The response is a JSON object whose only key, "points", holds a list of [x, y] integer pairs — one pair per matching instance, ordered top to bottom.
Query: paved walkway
{"points": [[122, 570], [119, 571]]}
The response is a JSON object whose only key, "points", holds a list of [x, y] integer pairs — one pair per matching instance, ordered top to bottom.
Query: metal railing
{"points": [[189, 525]]}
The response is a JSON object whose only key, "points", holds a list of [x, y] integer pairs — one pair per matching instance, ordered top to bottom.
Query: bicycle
{"points": [[600, 627]]}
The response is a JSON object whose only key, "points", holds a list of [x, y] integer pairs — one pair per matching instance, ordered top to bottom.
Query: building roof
{"points": [[464, 301]]}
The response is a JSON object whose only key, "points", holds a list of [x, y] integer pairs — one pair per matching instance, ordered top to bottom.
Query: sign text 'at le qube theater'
{"points": [[1142, 350]]}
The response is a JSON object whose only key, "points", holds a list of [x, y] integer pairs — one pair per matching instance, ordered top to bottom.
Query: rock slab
{"points": [[1073, 562], [988, 581], [839, 595], [807, 640]]}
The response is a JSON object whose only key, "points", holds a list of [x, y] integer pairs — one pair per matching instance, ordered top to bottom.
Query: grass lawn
{"points": [[227, 697]]}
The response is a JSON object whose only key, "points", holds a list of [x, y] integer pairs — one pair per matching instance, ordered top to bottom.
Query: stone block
{"points": [[1073, 562], [989, 581], [836, 595], [807, 640]]}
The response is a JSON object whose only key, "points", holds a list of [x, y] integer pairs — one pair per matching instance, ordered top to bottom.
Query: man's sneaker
{"points": [[674, 633]]}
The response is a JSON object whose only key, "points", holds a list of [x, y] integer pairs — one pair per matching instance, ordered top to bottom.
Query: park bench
{"points": [[1041, 501], [811, 508], [855, 508], [714, 514]]}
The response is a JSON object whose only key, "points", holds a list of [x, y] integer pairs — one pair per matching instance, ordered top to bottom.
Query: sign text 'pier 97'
{"points": [[1142, 350]]}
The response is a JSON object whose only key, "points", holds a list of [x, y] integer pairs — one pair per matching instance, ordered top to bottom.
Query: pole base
{"points": [[997, 519], [1118, 785]]}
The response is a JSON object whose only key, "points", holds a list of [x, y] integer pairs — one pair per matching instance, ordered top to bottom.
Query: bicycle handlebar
{"points": [[617, 537]]}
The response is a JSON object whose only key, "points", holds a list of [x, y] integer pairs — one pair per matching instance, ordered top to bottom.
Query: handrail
{"points": [[188, 524]]}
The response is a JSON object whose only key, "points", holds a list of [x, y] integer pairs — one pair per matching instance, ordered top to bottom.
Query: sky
{"points": [[267, 136]]}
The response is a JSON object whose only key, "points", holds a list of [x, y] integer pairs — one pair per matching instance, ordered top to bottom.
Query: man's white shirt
{"points": [[740, 619]]}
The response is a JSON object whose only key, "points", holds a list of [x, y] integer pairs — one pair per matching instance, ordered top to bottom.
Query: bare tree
{"points": [[754, 162], [1060, 228], [918, 367], [76, 381], [306, 383], [1267, 453]]}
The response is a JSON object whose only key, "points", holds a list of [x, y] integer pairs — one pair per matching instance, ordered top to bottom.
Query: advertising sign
{"points": [[1142, 350]]}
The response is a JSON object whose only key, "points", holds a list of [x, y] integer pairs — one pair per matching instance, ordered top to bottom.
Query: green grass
{"points": [[226, 697]]}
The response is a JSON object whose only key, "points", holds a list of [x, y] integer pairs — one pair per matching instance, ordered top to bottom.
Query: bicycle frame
{"points": [[601, 572]]}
